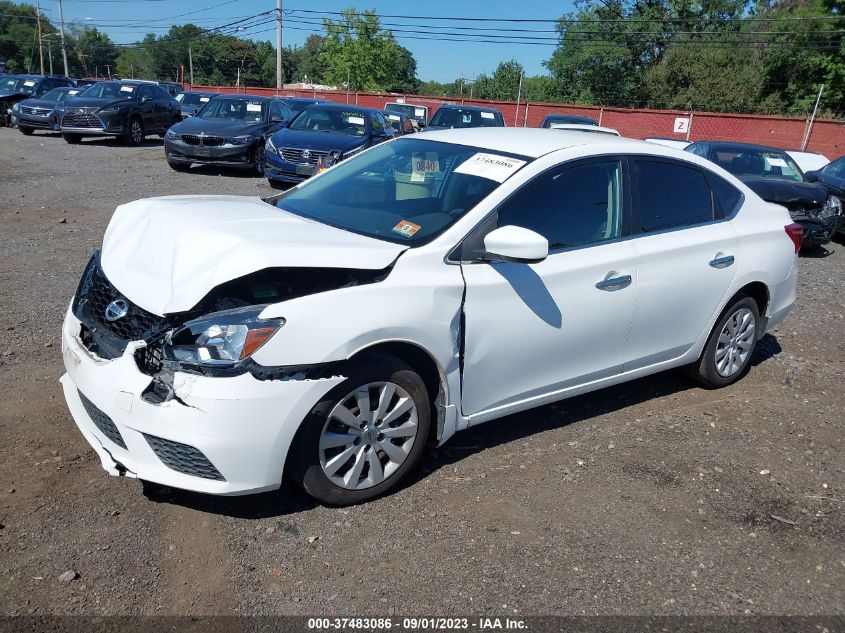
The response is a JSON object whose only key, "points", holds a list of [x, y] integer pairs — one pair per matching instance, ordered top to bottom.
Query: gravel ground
{"points": [[656, 497]]}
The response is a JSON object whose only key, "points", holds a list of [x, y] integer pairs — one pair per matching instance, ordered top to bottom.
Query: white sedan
{"points": [[424, 286]]}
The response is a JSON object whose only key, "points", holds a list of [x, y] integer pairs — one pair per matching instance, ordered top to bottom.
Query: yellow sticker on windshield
{"points": [[406, 229]]}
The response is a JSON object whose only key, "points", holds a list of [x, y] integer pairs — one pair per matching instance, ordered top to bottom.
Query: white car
{"points": [[580, 127], [669, 142], [808, 161], [424, 286]]}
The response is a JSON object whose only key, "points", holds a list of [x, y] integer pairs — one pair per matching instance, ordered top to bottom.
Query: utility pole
{"points": [[62, 30], [40, 44], [278, 46], [50, 54], [191, 66], [348, 80], [518, 96], [812, 120]]}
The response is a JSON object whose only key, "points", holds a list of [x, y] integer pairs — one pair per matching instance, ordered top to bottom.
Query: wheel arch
{"points": [[758, 291]]}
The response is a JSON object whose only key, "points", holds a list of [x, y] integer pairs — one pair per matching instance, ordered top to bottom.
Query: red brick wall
{"points": [[828, 136]]}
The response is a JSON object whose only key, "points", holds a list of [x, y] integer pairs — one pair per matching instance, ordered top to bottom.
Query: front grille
{"points": [[82, 110], [35, 111], [73, 118], [206, 141], [293, 155], [108, 339], [102, 421], [183, 458]]}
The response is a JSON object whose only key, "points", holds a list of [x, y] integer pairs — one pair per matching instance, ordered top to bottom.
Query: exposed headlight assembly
{"points": [[16, 107], [171, 135], [269, 147], [832, 207], [221, 339]]}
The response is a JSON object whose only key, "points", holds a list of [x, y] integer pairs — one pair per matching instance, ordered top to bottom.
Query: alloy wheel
{"points": [[137, 132], [735, 342], [368, 435]]}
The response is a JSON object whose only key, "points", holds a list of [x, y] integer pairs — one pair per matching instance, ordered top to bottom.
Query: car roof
{"points": [[230, 95], [346, 107], [467, 107], [533, 142], [741, 146]]}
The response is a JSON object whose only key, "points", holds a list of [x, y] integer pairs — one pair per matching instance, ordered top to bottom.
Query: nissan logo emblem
{"points": [[117, 309]]}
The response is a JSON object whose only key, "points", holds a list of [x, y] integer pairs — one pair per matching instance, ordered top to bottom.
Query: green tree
{"points": [[19, 38], [357, 49], [96, 53]]}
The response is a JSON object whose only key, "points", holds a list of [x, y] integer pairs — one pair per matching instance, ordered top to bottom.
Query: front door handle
{"points": [[722, 262], [614, 283]]}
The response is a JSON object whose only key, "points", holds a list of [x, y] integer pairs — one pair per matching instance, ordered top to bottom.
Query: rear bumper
{"points": [[782, 297], [238, 427]]}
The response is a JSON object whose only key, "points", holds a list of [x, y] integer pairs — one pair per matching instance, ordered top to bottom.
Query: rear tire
{"points": [[26, 130], [135, 133], [73, 139], [258, 159], [730, 346], [369, 470]]}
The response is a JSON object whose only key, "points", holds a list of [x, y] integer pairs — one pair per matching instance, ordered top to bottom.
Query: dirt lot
{"points": [[656, 497]]}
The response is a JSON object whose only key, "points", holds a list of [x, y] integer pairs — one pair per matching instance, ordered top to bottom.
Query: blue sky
{"points": [[128, 20]]}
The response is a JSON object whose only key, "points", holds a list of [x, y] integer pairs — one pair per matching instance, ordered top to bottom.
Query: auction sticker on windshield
{"points": [[127, 88], [253, 107], [487, 115], [355, 120], [490, 166], [406, 229]]}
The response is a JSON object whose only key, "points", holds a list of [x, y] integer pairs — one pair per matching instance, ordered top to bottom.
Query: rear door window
{"points": [[670, 195]]}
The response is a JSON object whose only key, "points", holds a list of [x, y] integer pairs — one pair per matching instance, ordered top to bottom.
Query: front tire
{"points": [[26, 130], [135, 134], [73, 139], [258, 159], [178, 166], [727, 354], [366, 435]]}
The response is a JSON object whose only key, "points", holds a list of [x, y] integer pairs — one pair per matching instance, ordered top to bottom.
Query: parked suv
{"points": [[15, 88], [126, 109], [421, 287]]}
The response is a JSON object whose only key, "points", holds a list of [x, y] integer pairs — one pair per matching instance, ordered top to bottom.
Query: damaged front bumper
{"points": [[219, 435]]}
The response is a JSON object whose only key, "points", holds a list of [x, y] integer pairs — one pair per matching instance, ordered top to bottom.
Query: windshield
{"points": [[18, 84], [110, 90], [56, 94], [192, 98], [298, 105], [245, 110], [415, 112], [460, 118], [317, 119], [749, 162], [835, 168], [406, 191]]}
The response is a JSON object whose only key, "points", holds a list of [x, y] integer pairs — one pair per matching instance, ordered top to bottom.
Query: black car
{"points": [[84, 83], [15, 88], [172, 89], [193, 101], [298, 104], [126, 109], [40, 113], [461, 116], [567, 118], [402, 123], [229, 131], [773, 175], [832, 177]]}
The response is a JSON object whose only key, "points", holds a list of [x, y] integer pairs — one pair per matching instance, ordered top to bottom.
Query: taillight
{"points": [[795, 233]]}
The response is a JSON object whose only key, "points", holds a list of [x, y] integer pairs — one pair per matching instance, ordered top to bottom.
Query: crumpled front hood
{"points": [[7, 94], [38, 103], [321, 141], [790, 193], [165, 254]]}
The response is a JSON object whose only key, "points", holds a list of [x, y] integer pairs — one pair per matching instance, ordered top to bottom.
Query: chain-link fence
{"points": [[826, 136]]}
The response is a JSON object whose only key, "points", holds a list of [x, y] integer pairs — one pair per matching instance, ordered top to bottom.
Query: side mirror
{"points": [[811, 176], [516, 244]]}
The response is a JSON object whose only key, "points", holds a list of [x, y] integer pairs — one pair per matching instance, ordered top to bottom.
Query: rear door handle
{"points": [[722, 262], [614, 283]]}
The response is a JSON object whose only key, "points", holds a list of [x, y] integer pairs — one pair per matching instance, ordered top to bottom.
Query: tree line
{"points": [[767, 56]]}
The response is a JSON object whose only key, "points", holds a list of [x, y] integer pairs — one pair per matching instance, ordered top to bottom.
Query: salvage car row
{"points": [[288, 140]]}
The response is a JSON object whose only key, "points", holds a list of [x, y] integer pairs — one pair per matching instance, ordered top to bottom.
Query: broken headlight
{"points": [[832, 207], [221, 338]]}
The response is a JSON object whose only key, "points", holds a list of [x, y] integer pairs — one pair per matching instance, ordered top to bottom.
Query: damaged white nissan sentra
{"points": [[424, 286]]}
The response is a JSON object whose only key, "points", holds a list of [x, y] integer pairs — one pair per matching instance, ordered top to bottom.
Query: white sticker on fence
{"points": [[253, 107], [487, 115], [681, 125], [490, 166]]}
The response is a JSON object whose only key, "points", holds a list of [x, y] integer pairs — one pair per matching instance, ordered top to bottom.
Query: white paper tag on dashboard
{"points": [[488, 115], [490, 166]]}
